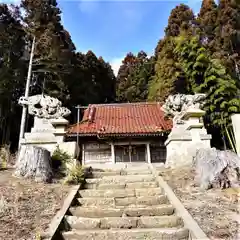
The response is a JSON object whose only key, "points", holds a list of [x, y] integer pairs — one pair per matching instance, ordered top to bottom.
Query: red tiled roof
{"points": [[122, 119]]}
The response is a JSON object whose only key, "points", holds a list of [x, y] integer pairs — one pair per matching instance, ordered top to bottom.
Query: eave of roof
{"points": [[162, 133]]}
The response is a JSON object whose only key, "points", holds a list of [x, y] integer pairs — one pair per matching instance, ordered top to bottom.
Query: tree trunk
{"points": [[34, 162]]}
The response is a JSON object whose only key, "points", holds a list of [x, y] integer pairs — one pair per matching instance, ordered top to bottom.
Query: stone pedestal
{"points": [[236, 129], [50, 133], [186, 138]]}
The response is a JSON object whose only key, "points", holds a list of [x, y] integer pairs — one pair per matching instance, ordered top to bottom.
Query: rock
{"points": [[34, 162], [216, 168]]}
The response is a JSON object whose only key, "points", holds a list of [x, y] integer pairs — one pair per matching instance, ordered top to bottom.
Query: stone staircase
{"points": [[122, 205]]}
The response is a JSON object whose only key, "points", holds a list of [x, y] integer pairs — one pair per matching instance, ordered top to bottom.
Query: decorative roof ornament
{"points": [[178, 104], [44, 106]]}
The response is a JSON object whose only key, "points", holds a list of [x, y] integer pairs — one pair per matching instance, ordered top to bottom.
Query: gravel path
{"points": [[26, 207], [215, 210]]}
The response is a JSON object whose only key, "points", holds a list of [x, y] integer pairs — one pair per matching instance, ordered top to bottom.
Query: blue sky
{"points": [[112, 28]]}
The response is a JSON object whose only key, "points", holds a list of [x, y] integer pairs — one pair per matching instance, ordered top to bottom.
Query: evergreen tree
{"points": [[181, 18], [206, 23], [228, 36], [54, 48], [12, 71], [207, 75], [169, 77], [92, 80], [108, 82], [122, 82], [133, 82]]}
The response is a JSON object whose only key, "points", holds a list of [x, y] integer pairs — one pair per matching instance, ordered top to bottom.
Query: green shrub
{"points": [[59, 159], [76, 175]]}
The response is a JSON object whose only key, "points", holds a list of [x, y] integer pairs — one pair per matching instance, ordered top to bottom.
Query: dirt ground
{"points": [[26, 207], [215, 210]]}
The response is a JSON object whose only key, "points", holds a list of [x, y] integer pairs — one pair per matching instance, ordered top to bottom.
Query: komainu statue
{"points": [[176, 105], [43, 106]]}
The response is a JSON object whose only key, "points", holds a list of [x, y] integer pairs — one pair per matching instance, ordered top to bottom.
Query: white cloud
{"points": [[116, 63]]}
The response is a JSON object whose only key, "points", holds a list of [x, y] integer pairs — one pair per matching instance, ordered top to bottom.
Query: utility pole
{"points": [[78, 107], [24, 111], [78, 120]]}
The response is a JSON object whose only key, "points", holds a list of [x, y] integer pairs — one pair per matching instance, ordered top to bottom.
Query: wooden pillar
{"points": [[113, 153], [148, 153]]}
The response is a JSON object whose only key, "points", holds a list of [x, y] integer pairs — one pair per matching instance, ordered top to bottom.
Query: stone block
{"points": [[71, 148], [136, 172], [102, 174], [127, 179], [142, 185], [113, 186], [148, 192], [108, 193], [152, 200], [96, 201], [125, 201], [148, 211], [96, 212], [116, 222], [160, 222], [83, 223], [129, 234]]}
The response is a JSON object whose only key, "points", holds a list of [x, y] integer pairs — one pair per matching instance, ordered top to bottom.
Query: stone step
{"points": [[136, 172], [100, 174], [121, 179], [127, 179], [92, 185], [120, 193], [143, 200], [97, 201], [111, 202], [130, 211], [80, 223], [128, 234]]}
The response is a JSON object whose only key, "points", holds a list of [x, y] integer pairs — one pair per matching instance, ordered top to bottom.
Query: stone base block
{"points": [[71, 148], [181, 152]]}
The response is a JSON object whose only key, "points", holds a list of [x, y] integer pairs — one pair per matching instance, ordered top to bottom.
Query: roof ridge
{"points": [[124, 104]]}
